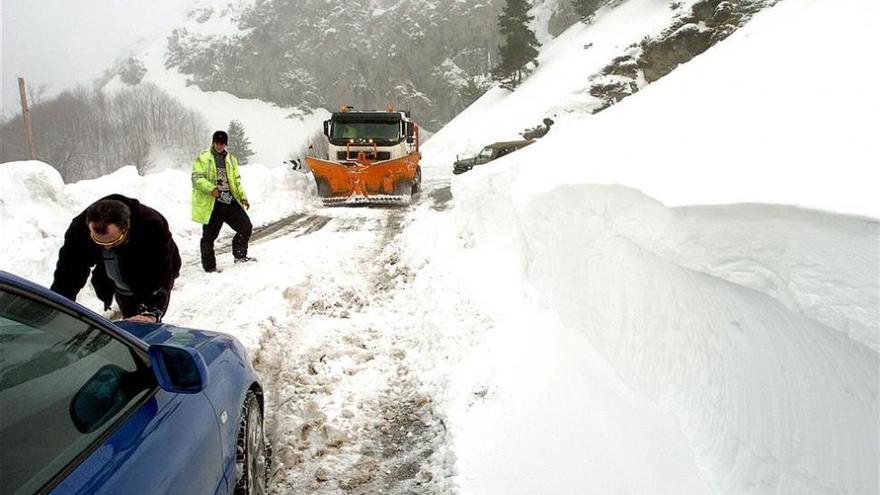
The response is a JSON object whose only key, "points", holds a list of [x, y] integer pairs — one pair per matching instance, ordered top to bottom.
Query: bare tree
{"points": [[37, 93], [85, 133]]}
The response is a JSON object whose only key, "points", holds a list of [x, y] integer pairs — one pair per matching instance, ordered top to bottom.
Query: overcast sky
{"points": [[65, 42]]}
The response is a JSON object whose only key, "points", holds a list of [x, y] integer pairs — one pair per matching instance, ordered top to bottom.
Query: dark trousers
{"points": [[234, 216], [130, 305]]}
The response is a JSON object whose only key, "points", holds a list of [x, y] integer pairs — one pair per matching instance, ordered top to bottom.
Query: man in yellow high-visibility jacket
{"points": [[218, 198]]}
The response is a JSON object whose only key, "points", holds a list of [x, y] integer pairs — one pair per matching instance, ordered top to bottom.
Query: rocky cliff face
{"points": [[694, 31], [431, 57]]}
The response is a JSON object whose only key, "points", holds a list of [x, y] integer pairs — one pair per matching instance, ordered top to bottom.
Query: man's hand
{"points": [[215, 193], [246, 205], [142, 319]]}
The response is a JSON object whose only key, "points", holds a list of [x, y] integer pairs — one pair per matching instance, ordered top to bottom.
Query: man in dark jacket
{"points": [[134, 257]]}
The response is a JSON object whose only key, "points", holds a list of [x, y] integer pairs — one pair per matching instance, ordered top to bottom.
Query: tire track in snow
{"points": [[298, 225], [345, 412]]}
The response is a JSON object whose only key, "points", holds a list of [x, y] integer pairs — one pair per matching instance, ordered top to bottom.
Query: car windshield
{"points": [[364, 131], [485, 153], [63, 382]]}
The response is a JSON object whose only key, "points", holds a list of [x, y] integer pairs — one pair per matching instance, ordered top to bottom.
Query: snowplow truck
{"points": [[373, 157]]}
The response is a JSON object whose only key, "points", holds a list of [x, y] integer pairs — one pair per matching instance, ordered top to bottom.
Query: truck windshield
{"points": [[363, 131]]}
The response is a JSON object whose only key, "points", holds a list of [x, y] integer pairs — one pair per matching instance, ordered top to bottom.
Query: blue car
{"points": [[93, 407]]}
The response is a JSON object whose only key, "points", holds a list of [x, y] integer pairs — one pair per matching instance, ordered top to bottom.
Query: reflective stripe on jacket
{"points": [[204, 180]]}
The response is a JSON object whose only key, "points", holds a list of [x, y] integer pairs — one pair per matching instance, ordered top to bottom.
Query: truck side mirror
{"points": [[327, 128], [410, 132]]}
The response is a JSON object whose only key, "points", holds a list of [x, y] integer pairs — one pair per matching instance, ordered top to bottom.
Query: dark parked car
{"points": [[487, 154], [93, 407]]}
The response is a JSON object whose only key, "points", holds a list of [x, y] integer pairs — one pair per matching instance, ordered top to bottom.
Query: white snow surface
{"points": [[765, 117], [665, 304], [754, 326]]}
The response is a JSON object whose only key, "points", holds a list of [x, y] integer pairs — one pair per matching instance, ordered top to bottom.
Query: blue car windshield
{"points": [[63, 383]]}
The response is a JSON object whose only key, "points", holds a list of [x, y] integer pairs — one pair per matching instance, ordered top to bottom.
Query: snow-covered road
{"points": [[586, 340], [346, 412]]}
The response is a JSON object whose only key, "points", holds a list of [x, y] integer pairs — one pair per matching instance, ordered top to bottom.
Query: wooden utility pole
{"points": [[25, 114]]}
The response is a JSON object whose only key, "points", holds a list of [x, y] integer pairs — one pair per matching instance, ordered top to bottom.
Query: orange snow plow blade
{"points": [[361, 180]]}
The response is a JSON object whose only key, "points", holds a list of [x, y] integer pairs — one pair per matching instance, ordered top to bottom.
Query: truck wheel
{"points": [[417, 181], [323, 188]]}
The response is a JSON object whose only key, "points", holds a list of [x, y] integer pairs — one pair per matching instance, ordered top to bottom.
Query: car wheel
{"points": [[252, 475]]}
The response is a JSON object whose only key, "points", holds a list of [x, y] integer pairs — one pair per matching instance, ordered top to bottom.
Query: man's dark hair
{"points": [[220, 137], [106, 212]]}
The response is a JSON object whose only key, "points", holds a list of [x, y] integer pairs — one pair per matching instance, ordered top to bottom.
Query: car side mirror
{"points": [[178, 369], [99, 399]]}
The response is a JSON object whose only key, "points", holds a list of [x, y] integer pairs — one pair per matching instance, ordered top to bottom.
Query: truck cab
{"points": [[379, 135]]}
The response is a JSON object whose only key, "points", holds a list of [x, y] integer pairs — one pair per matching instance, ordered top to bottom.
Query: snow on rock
{"points": [[558, 86]]}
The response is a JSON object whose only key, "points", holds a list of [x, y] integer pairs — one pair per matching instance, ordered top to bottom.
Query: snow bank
{"points": [[36, 207], [33, 217], [704, 320], [746, 333], [531, 406]]}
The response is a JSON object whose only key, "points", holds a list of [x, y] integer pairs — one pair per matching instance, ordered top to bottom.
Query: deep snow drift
{"points": [[755, 327]]}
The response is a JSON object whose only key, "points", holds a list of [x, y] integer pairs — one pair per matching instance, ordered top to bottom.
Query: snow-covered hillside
{"points": [[761, 119], [276, 133], [677, 295], [752, 329]]}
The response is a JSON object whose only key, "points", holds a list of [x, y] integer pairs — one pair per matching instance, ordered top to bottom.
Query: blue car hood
{"points": [[162, 333], [210, 345]]}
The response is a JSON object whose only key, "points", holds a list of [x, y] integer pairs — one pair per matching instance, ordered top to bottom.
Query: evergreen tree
{"points": [[586, 8], [520, 46], [132, 73], [470, 92], [239, 144]]}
